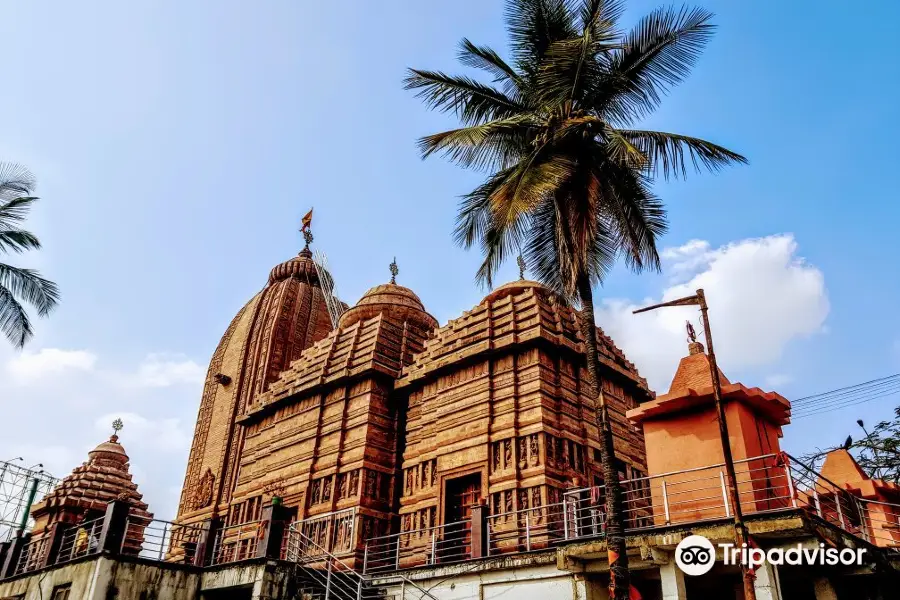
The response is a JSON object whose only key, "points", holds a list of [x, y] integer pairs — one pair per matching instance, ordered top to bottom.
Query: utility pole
{"points": [[740, 530]]}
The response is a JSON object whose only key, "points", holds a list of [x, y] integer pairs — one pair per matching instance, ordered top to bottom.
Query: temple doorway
{"points": [[461, 493]]}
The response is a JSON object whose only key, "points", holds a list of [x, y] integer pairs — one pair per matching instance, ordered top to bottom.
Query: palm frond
{"points": [[533, 25], [656, 55], [486, 59], [472, 101], [495, 144], [669, 153], [15, 181], [530, 181], [14, 211], [633, 215], [474, 217], [18, 241], [496, 245], [28, 285], [14, 322]]}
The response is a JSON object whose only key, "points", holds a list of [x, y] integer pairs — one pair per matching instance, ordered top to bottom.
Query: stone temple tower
{"points": [[287, 316]]}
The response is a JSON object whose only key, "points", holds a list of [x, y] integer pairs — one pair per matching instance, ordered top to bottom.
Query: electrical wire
{"points": [[844, 397]]}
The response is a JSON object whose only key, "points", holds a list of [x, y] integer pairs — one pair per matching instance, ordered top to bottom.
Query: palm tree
{"points": [[570, 176], [18, 284]]}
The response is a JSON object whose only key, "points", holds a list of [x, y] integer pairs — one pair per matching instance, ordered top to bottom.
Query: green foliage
{"points": [[569, 178], [17, 284]]}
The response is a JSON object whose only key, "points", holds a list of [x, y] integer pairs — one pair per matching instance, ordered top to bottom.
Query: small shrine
{"points": [[83, 495]]}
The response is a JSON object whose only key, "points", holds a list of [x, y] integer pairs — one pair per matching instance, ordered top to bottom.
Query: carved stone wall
{"points": [[503, 391]]}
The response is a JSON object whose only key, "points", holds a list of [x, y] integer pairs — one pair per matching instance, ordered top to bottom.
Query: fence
{"points": [[765, 483], [333, 532], [80, 540], [159, 540], [237, 542]]}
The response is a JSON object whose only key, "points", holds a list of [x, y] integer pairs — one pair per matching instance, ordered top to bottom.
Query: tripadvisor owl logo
{"points": [[695, 555]]}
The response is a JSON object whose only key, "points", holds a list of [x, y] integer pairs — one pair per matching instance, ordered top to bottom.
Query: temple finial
{"points": [[306, 228], [520, 260], [394, 271], [691, 334], [694, 347], [117, 426]]}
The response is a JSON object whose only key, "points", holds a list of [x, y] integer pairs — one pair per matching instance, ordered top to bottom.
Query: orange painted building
{"points": [[681, 431], [880, 498]]}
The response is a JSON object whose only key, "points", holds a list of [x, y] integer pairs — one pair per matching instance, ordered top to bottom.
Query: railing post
{"points": [[790, 482], [724, 494], [665, 496], [816, 502], [837, 502], [565, 516], [863, 519], [479, 529], [271, 531], [112, 532], [527, 532], [55, 534], [206, 542], [433, 545], [397, 553], [12, 555], [365, 558], [328, 580]]}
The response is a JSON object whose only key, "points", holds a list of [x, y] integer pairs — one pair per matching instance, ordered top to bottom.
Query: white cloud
{"points": [[761, 297], [29, 366], [164, 370]]}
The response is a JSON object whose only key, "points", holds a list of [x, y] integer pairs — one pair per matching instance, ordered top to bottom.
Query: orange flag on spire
{"points": [[306, 223]]}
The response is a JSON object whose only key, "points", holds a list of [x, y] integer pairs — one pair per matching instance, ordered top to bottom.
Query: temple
{"points": [[389, 423], [368, 451]]}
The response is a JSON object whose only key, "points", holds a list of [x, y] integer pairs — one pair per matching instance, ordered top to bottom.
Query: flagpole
{"points": [[740, 529]]}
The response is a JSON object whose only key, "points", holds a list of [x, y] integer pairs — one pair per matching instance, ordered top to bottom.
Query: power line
{"points": [[848, 388], [862, 393], [844, 397]]}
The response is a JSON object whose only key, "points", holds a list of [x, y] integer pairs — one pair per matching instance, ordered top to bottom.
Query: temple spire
{"points": [[520, 260], [394, 271]]}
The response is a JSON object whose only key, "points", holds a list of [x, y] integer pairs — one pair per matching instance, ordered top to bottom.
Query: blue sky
{"points": [[177, 144]]}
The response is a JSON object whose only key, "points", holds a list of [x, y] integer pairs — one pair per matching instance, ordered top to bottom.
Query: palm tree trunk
{"points": [[619, 583]]}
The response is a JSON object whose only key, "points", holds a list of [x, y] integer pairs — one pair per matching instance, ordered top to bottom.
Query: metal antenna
{"points": [[329, 291]]}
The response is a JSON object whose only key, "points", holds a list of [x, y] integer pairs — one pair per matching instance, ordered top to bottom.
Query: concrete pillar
{"points": [[274, 519], [115, 522], [479, 530], [673, 582], [766, 583], [824, 590]]}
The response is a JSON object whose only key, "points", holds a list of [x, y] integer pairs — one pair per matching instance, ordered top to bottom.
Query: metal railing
{"points": [[764, 484], [828, 500], [882, 523], [334, 532], [80, 540], [163, 541], [236, 542], [443, 544], [32, 555], [321, 574], [324, 576]]}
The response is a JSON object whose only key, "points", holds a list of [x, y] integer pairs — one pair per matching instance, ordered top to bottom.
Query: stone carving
{"points": [[203, 494]]}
